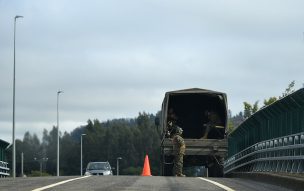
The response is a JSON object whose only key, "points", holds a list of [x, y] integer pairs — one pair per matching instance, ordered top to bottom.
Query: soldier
{"points": [[172, 117], [214, 121], [171, 122], [179, 148]]}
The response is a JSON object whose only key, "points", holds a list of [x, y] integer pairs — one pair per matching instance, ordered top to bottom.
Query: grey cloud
{"points": [[116, 58]]}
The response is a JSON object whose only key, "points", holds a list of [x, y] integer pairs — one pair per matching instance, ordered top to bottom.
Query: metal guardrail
{"points": [[282, 154], [4, 171]]}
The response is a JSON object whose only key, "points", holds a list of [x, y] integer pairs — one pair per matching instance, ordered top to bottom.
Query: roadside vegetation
{"points": [[130, 139]]}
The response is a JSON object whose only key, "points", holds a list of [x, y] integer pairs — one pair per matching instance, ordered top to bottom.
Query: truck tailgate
{"points": [[217, 147]]}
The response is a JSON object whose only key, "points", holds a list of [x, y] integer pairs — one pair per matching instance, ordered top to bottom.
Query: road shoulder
{"points": [[290, 181]]}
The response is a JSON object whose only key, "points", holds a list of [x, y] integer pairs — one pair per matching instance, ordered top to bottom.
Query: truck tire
{"points": [[168, 166], [216, 170]]}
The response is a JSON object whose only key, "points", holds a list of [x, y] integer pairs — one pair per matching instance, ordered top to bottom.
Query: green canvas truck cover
{"points": [[190, 106]]}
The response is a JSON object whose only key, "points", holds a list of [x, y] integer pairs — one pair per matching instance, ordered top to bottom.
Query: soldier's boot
{"points": [[180, 175]]}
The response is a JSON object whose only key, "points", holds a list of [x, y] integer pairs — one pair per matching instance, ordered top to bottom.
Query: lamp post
{"points": [[14, 79], [58, 131], [81, 153], [40, 162], [22, 165], [117, 165]]}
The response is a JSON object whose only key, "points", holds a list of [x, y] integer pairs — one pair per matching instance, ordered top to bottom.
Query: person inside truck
{"points": [[214, 121], [171, 122], [179, 148]]}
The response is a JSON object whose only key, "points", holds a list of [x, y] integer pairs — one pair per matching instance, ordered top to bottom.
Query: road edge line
{"points": [[59, 183], [217, 184]]}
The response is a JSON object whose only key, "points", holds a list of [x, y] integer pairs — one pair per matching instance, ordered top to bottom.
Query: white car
{"points": [[99, 169]]}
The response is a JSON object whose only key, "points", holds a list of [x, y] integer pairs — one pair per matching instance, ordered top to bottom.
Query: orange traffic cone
{"points": [[146, 170]]}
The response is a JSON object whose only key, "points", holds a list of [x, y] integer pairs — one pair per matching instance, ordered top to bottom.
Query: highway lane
{"points": [[29, 183], [134, 183]]}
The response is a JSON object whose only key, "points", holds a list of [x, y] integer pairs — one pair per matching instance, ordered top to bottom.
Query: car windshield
{"points": [[99, 166]]}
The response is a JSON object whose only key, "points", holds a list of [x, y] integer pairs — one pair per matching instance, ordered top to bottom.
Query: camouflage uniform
{"points": [[213, 122], [179, 152]]}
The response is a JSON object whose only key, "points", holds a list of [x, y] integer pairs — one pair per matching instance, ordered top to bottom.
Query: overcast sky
{"points": [[116, 58]]}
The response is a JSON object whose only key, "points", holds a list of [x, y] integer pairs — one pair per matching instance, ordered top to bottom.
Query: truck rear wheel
{"points": [[168, 166], [215, 169]]}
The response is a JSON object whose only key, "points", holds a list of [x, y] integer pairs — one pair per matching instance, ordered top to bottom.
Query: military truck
{"points": [[205, 136]]}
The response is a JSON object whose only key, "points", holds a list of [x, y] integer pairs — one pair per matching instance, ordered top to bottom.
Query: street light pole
{"points": [[14, 82], [58, 131], [81, 153], [41, 163], [22, 164], [117, 165]]}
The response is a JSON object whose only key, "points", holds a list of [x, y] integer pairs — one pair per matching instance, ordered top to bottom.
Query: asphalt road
{"points": [[134, 183]]}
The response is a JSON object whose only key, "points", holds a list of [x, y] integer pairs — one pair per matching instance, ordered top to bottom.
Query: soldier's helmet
{"points": [[179, 130]]}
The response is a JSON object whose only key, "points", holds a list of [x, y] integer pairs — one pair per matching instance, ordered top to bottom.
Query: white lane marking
{"points": [[59, 183], [217, 184]]}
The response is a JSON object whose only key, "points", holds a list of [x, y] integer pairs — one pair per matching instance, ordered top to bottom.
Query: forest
{"points": [[130, 139]]}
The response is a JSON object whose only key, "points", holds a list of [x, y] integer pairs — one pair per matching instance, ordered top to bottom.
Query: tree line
{"points": [[250, 109], [130, 139]]}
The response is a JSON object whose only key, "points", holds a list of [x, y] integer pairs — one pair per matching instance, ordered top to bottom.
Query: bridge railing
{"points": [[282, 154], [4, 170]]}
